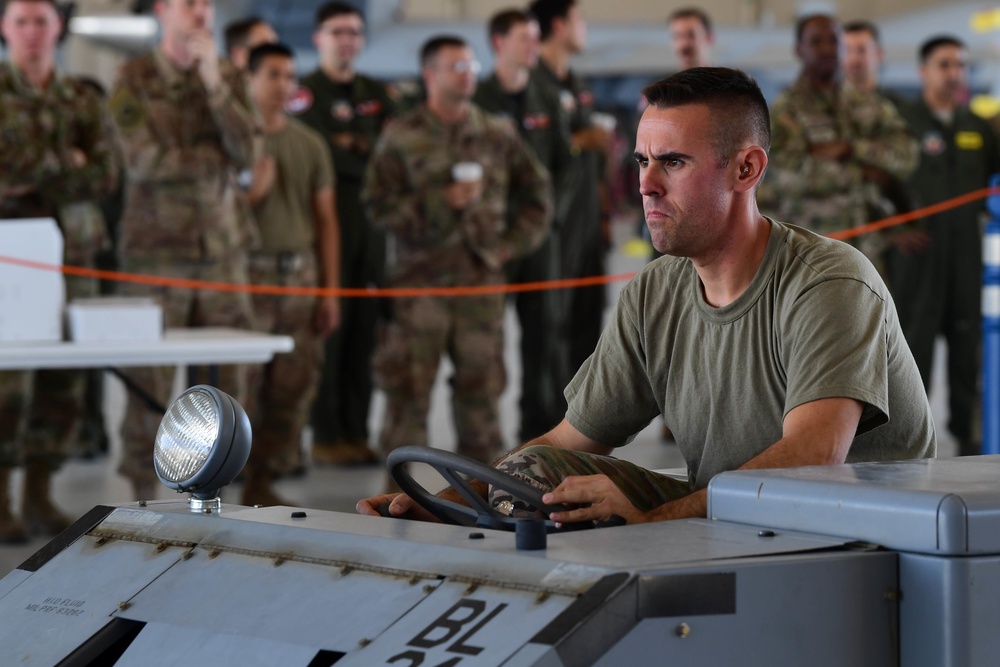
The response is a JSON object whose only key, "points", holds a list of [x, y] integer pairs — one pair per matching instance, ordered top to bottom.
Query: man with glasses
{"points": [[349, 110], [439, 183]]}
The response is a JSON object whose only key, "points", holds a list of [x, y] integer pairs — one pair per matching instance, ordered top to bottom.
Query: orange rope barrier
{"points": [[933, 209], [120, 276], [479, 290]]}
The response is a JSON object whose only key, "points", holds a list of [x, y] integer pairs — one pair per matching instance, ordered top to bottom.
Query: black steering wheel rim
{"points": [[479, 512]]}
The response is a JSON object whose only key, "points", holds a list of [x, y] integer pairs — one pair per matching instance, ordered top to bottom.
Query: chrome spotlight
{"points": [[202, 445]]}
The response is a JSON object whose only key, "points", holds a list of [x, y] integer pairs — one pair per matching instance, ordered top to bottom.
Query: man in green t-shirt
{"points": [[292, 195], [761, 344]]}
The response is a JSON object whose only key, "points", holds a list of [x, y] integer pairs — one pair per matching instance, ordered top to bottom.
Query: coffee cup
{"points": [[605, 121], [467, 172]]}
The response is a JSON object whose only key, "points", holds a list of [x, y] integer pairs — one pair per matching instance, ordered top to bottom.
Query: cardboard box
{"points": [[31, 299], [114, 318]]}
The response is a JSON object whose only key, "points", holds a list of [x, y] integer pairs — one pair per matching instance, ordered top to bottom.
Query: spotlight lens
{"points": [[186, 436]]}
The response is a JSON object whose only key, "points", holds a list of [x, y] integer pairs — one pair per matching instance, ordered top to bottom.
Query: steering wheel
{"points": [[479, 513]]}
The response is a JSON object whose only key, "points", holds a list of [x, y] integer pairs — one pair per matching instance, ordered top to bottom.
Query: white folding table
{"points": [[206, 346], [187, 347]]}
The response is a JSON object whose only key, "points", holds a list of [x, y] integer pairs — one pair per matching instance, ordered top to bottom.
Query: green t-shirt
{"points": [[285, 216], [816, 322]]}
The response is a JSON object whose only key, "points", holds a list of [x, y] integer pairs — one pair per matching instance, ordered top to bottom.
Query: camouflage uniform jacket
{"points": [[361, 109], [38, 130], [183, 148], [404, 193], [827, 195]]}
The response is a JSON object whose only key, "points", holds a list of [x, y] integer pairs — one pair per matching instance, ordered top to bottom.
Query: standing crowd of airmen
{"points": [[236, 172]]}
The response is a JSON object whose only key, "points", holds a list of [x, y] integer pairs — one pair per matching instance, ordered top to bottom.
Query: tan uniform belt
{"points": [[283, 262]]}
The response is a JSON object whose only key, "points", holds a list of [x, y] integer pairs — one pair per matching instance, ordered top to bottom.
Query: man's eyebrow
{"points": [[664, 157]]}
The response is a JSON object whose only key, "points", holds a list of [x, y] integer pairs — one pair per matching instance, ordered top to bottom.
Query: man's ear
{"points": [[750, 165]]}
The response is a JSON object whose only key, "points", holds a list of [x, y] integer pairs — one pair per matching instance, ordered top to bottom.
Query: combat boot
{"points": [[37, 510], [12, 531]]}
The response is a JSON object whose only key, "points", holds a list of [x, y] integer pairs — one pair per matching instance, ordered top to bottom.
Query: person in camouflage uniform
{"points": [[513, 93], [349, 110], [187, 130], [834, 147], [58, 152], [293, 202], [579, 215], [451, 231]]}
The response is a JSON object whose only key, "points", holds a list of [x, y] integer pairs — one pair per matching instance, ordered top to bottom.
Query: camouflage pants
{"points": [[181, 308], [470, 330], [283, 390], [40, 411], [544, 467]]}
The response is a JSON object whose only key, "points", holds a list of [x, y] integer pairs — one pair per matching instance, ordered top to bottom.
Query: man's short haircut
{"points": [[4, 3], [331, 9], [547, 11], [692, 13], [65, 14], [504, 21], [803, 21], [864, 26], [237, 33], [935, 43], [433, 45], [262, 51], [738, 108]]}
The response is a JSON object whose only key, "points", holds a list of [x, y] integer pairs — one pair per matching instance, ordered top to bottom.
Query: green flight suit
{"points": [[361, 108], [536, 113], [578, 218], [937, 290]]}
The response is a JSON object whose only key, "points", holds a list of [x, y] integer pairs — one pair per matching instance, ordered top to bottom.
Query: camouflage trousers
{"points": [[182, 307], [470, 331], [282, 391], [41, 411], [544, 467]]}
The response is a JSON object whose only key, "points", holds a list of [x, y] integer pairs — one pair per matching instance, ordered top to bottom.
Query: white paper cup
{"points": [[605, 121], [467, 172]]}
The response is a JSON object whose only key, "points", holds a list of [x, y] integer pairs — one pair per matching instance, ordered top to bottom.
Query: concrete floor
{"points": [[83, 484]]}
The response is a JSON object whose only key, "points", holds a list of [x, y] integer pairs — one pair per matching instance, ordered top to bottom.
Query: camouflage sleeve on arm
{"points": [[236, 119], [94, 137], [890, 147], [148, 153], [24, 159], [793, 172], [531, 192], [393, 203]]}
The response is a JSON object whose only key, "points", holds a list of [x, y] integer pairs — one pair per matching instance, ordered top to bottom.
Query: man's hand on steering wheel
{"points": [[594, 498], [464, 504], [397, 505]]}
